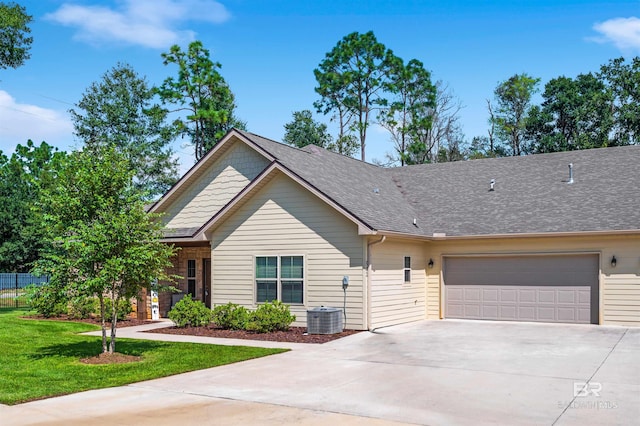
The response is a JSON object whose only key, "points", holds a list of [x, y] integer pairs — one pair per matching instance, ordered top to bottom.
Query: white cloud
{"points": [[150, 23], [624, 33], [21, 122]]}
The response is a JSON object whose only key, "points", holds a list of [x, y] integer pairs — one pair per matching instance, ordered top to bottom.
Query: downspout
{"points": [[369, 245]]}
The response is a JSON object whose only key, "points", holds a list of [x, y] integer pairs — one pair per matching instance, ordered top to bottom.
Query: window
{"points": [[407, 269], [191, 277], [266, 278], [279, 278]]}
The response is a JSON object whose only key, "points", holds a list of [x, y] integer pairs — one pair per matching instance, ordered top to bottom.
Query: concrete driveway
{"points": [[429, 372]]}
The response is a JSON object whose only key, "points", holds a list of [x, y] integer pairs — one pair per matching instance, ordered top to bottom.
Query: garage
{"points": [[541, 288]]}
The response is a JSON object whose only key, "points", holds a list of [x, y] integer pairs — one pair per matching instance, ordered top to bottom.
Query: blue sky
{"points": [[268, 50]]}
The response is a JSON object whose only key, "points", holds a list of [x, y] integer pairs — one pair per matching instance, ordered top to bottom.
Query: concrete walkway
{"points": [[429, 372]]}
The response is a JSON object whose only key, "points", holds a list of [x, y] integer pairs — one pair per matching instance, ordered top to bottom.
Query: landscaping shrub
{"points": [[46, 300], [81, 307], [122, 311], [189, 312], [230, 316], [271, 316]]}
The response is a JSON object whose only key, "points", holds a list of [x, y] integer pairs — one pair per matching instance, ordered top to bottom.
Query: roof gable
{"points": [[201, 167], [264, 178]]}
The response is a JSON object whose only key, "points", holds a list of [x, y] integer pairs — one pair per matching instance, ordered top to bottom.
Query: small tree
{"points": [[102, 243]]}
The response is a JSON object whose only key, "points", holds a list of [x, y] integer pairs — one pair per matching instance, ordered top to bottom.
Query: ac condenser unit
{"points": [[324, 320]]}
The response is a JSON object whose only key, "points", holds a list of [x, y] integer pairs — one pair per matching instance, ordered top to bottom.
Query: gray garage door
{"points": [[559, 288]]}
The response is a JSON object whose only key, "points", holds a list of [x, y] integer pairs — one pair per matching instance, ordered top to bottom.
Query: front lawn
{"points": [[41, 359]]}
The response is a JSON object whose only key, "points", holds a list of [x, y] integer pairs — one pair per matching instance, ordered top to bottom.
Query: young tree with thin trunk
{"points": [[100, 240]]}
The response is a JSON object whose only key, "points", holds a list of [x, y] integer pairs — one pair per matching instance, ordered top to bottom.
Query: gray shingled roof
{"points": [[349, 182], [531, 193], [179, 232]]}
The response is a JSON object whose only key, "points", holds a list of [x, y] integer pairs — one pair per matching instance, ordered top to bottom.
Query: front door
{"points": [[206, 282]]}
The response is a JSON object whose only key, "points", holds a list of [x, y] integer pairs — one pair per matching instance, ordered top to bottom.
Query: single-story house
{"points": [[549, 237]]}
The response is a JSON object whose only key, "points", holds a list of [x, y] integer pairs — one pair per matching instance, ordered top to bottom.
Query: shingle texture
{"points": [[531, 193]]}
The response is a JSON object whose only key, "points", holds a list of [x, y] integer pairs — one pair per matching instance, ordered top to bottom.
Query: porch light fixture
{"points": [[614, 261], [430, 264]]}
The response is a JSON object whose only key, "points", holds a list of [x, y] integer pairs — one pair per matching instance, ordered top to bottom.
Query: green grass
{"points": [[41, 359]]}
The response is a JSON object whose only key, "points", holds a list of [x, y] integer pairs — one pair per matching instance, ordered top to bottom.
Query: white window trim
{"points": [[405, 270], [279, 278]]}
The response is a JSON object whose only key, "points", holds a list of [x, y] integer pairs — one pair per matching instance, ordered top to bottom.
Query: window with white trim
{"points": [[407, 269], [191, 277], [280, 278]]}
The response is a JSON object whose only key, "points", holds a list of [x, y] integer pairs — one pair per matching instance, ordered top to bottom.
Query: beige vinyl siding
{"points": [[216, 187], [285, 219], [619, 286], [392, 300]]}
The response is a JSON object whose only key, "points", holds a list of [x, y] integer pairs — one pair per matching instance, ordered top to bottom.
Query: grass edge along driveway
{"points": [[41, 359]]}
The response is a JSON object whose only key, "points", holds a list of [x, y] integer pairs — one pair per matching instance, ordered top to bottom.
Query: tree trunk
{"points": [[114, 320], [103, 323]]}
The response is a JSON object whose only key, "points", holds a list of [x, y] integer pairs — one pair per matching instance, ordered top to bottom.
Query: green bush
{"points": [[46, 300], [81, 307], [122, 311], [189, 312], [230, 316], [274, 316]]}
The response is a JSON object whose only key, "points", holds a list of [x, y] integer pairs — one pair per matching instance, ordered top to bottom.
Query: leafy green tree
{"points": [[14, 39], [623, 79], [351, 82], [202, 94], [513, 102], [410, 110], [119, 111], [575, 114], [303, 130], [22, 176], [101, 242]]}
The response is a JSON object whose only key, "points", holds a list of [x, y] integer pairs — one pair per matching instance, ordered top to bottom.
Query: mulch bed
{"points": [[293, 335], [107, 358]]}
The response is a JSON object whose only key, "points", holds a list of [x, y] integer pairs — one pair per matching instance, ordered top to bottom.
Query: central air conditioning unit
{"points": [[324, 320]]}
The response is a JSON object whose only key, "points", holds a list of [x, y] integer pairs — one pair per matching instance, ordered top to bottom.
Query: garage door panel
{"points": [[525, 288], [490, 295], [508, 295], [546, 296], [570, 297], [472, 311], [490, 311], [584, 315]]}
